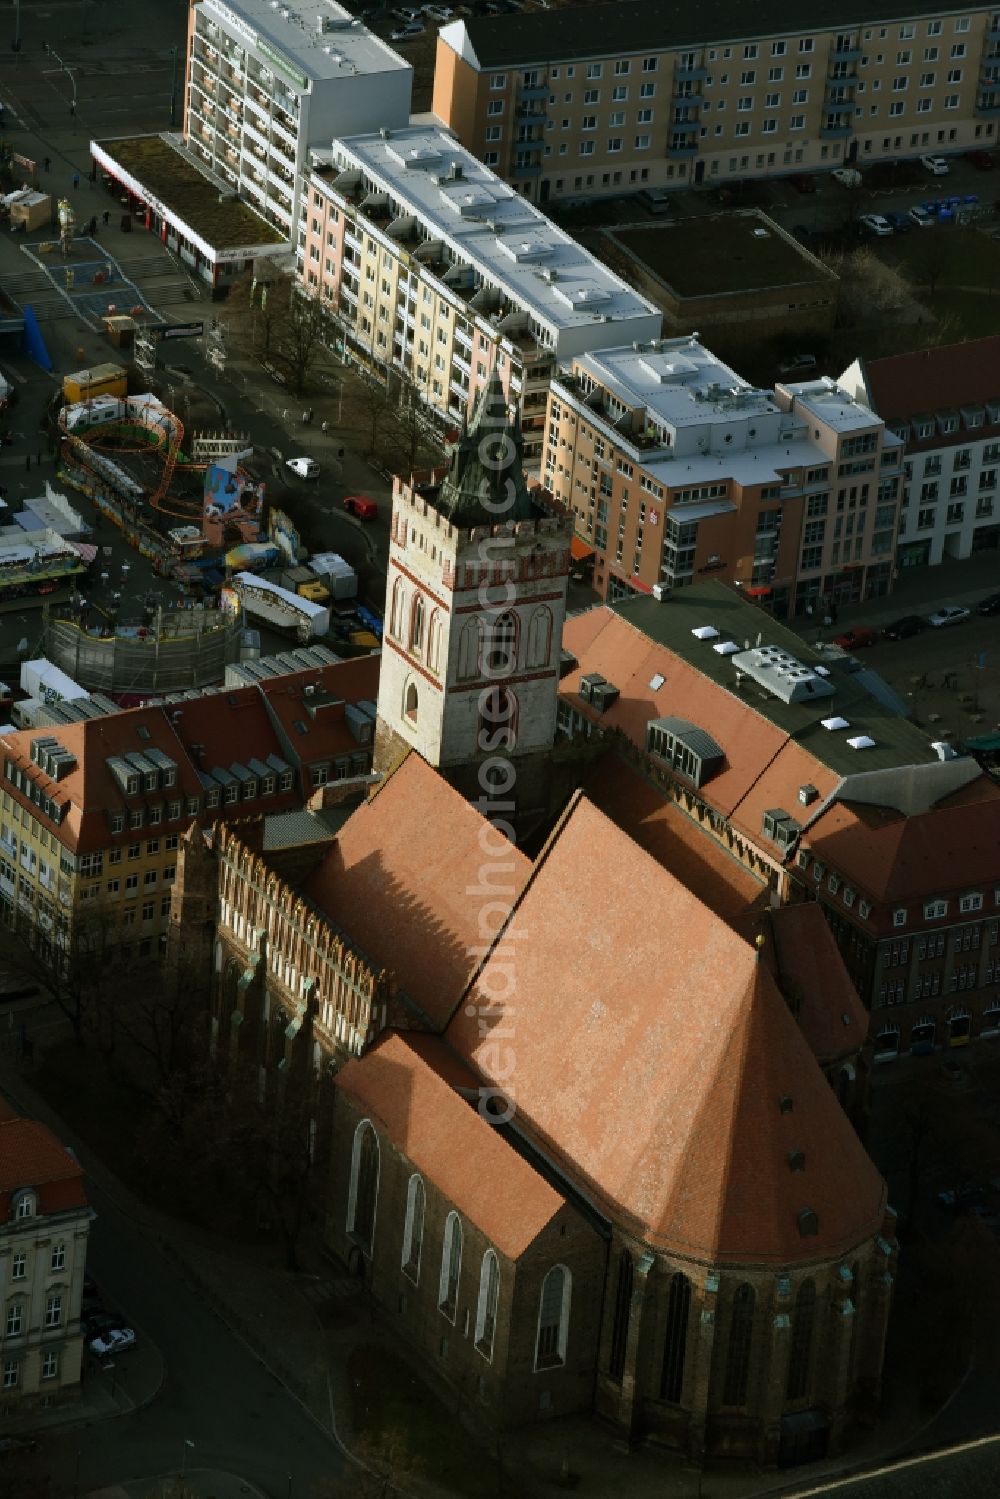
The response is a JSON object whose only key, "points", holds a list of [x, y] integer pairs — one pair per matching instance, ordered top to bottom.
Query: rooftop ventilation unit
{"points": [[705, 632], [726, 648], [656, 681], [835, 723], [861, 742], [944, 750], [808, 794]]}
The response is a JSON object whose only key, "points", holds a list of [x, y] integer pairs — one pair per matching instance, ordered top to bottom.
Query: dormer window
{"points": [[170, 776], [151, 780], [132, 786], [249, 790], [232, 792], [971, 902], [935, 909], [899, 917], [25, 1205]]}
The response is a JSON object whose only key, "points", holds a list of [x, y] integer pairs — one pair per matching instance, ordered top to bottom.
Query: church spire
{"points": [[485, 483]]}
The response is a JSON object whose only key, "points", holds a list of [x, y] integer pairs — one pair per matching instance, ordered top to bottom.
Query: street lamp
{"points": [[184, 1456]]}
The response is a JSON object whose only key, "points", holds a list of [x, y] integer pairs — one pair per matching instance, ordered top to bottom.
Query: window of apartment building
{"points": [[962, 23], [934, 28], [806, 44], [958, 50], [930, 54], [903, 59], [650, 64], [623, 66], [594, 69], [775, 75], [955, 75], [747, 77], [498, 80], [927, 80], [900, 84], [647, 90], [619, 94], [772, 101], [745, 103], [923, 106], [495, 107], [896, 108], [644, 117], [616, 118], [743, 127], [769, 127], [642, 142], [615, 143], [586, 148], [812, 557], [136, 818], [118, 822], [134, 850], [114, 856], [131, 883], [165, 905], [148, 910], [19, 1267], [53, 1310], [50, 1365], [11, 1370]]}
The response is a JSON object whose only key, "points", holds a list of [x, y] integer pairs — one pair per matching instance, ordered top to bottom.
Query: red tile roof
{"points": [[940, 379], [676, 841], [895, 860], [413, 882], [801, 950], [651, 1053], [402, 1084], [31, 1156]]}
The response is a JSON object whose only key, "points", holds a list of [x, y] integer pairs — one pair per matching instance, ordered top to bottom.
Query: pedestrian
{"points": [[47, 163], [76, 180], [106, 216], [285, 414], [309, 415], [305, 418], [325, 427], [38, 460], [27, 462], [105, 576]]}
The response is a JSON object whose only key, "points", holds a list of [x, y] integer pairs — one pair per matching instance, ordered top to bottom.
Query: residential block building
{"points": [[266, 81], [613, 97], [438, 270], [945, 405], [675, 467], [803, 770], [91, 814], [44, 1226]]}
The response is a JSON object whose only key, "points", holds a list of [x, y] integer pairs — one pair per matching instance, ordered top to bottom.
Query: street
{"points": [[216, 1393]]}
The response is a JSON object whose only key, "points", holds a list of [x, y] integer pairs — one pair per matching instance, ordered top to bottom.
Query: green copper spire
{"points": [[485, 484]]}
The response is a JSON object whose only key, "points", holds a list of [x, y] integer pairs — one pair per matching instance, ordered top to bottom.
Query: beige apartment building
{"points": [[641, 95], [439, 270], [678, 470]]}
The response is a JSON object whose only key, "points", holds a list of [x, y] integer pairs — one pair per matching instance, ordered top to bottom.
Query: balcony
{"points": [[846, 54], [690, 75], [848, 79], [533, 91], [687, 101], [839, 106], [987, 106], [533, 117], [684, 127], [835, 132], [677, 152], [526, 169]]}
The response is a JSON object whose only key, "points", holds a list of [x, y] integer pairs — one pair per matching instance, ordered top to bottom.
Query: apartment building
{"points": [[266, 80], [632, 95], [439, 270], [945, 404], [676, 468], [91, 813], [44, 1226]]}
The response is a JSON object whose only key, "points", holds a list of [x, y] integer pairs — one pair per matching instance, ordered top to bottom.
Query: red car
{"points": [[361, 506], [856, 640]]}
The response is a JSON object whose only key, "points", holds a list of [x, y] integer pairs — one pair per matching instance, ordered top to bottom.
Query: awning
{"points": [[580, 550], [86, 551], [758, 591]]}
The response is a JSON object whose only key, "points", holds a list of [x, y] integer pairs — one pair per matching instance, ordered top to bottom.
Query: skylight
{"points": [[705, 632], [726, 648], [656, 681], [835, 723], [861, 741]]}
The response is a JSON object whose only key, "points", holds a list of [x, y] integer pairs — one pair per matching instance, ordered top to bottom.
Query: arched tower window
{"points": [[396, 614], [417, 625], [434, 631], [540, 637], [500, 644], [468, 651], [410, 702], [497, 719], [363, 1194], [413, 1227], [451, 1266], [486, 1310], [623, 1313], [553, 1318], [740, 1342], [675, 1343], [800, 1357]]}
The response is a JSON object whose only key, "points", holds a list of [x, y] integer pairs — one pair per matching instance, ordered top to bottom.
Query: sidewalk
{"points": [[921, 590]]}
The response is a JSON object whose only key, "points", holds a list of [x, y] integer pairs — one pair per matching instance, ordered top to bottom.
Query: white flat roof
{"points": [[323, 39], [487, 225], [679, 381], [832, 404], [766, 464]]}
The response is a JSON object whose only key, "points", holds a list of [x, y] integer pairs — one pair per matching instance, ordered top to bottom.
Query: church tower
{"points": [[475, 603]]}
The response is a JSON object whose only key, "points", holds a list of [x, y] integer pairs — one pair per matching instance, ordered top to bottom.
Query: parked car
{"points": [[439, 12], [408, 32], [981, 160], [936, 165], [847, 176], [803, 182], [655, 200], [922, 217], [900, 223], [876, 224], [797, 364], [277, 375], [306, 468], [361, 506], [989, 605], [950, 614], [902, 629], [856, 639], [116, 1340]]}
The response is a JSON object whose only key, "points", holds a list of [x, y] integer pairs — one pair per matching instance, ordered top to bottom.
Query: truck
{"points": [[339, 577], [304, 582], [280, 607]]}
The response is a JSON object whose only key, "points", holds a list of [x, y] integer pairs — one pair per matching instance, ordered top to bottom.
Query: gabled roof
{"points": [[935, 379], [675, 840], [895, 859], [408, 878], [803, 955], [652, 1058], [408, 1084], [31, 1156]]}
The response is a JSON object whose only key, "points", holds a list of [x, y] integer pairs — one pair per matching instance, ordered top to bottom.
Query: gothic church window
{"points": [[540, 637], [501, 644], [468, 651], [410, 702], [363, 1194], [413, 1227], [451, 1266], [486, 1312], [623, 1312], [553, 1318], [740, 1341], [675, 1343], [800, 1358]]}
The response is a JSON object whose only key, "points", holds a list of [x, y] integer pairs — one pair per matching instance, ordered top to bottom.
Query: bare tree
{"points": [[935, 254]]}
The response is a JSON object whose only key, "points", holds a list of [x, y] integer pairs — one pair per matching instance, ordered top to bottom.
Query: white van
{"points": [[655, 200]]}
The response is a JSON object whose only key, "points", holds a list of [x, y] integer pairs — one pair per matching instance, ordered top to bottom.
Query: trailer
{"points": [[283, 610]]}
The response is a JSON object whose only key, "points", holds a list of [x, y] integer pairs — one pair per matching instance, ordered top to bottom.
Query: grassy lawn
{"points": [[957, 257], [398, 1422]]}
